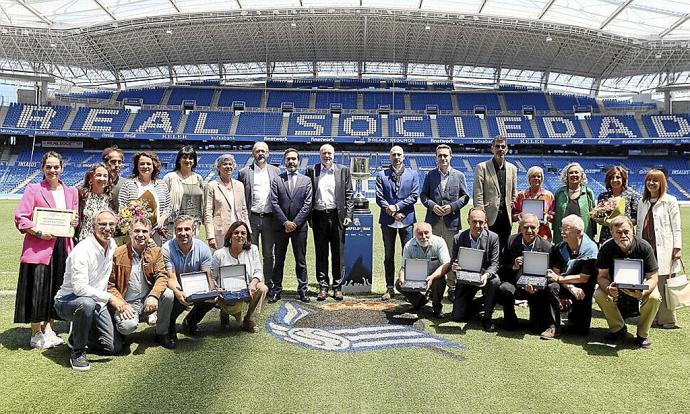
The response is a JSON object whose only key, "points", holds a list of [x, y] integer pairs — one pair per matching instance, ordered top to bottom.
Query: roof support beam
{"points": [[238, 3], [174, 4], [420, 4], [481, 7], [546, 8], [105, 9], [35, 12], [615, 13], [675, 25]]}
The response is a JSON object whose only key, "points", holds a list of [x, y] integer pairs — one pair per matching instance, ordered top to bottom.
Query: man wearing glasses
{"points": [[495, 189], [83, 297]]}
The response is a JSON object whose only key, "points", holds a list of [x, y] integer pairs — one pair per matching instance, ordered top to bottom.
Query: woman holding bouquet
{"points": [[535, 178], [145, 186], [94, 196], [573, 198], [617, 200], [658, 222]]}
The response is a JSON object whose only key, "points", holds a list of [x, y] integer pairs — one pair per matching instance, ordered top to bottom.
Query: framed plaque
{"points": [[535, 207], [54, 221]]}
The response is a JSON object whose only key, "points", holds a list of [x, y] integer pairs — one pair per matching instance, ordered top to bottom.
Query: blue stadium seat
{"points": [[149, 96], [202, 97], [251, 97], [300, 99], [347, 99], [395, 100], [419, 100], [468, 100], [515, 101], [565, 103], [36, 116], [100, 119], [148, 120], [208, 122], [259, 123], [310, 125], [360, 125], [409, 126], [459, 126], [509, 126], [619, 126], [667, 126], [559, 127]]}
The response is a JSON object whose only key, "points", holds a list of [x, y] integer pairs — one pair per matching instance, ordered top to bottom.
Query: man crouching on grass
{"points": [[139, 277], [83, 297]]}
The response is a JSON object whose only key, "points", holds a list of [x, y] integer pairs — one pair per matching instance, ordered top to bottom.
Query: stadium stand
{"points": [[86, 95], [148, 96], [202, 97], [250, 97], [299, 99], [348, 100], [395, 100], [420, 100], [468, 100], [515, 101], [565, 103], [36, 116], [100, 119], [148, 120], [208, 123], [259, 123], [310, 124], [360, 125], [409, 126], [459, 126], [509, 126], [619, 126], [667, 126], [559, 127]]}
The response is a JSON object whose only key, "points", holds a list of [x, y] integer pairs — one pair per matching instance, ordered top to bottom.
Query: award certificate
{"points": [[54, 221]]}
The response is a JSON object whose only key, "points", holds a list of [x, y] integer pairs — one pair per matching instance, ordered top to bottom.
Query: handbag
{"points": [[678, 291]]}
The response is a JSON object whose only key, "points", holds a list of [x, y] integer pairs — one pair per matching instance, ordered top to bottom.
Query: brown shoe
{"points": [[323, 294], [390, 294], [338, 295], [250, 326], [550, 333]]}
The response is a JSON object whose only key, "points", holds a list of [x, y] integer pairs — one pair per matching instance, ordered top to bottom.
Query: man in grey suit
{"points": [[495, 189], [257, 190], [444, 194], [291, 196], [332, 212], [477, 237]]}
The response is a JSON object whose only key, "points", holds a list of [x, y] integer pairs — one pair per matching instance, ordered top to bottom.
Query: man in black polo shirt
{"points": [[625, 245], [510, 270]]}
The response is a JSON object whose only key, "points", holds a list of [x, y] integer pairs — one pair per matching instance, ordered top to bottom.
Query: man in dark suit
{"points": [[397, 190], [257, 191], [495, 191], [444, 194], [291, 196], [332, 212], [477, 237], [511, 269]]}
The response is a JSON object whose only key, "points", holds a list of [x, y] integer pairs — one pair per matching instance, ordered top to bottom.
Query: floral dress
{"points": [[631, 201], [93, 203]]}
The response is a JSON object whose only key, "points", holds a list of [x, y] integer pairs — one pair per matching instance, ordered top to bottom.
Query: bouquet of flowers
{"points": [[135, 209], [606, 210]]}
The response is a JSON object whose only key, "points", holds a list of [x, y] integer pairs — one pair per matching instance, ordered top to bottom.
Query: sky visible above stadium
{"points": [[649, 20]]}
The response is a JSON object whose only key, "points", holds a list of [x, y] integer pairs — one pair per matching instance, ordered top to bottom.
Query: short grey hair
{"points": [[326, 146], [220, 160], [534, 170], [564, 173], [105, 210], [526, 216], [185, 217], [620, 220], [575, 222]]}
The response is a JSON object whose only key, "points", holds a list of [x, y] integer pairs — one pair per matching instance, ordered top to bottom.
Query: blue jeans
{"points": [[389, 234], [92, 325]]}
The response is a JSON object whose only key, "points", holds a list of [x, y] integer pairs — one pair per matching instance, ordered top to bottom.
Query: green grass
{"points": [[232, 372]]}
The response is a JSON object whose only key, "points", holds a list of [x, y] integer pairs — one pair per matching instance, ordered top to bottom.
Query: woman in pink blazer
{"points": [[42, 264]]}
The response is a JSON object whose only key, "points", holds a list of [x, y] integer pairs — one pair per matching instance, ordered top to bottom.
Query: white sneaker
{"points": [[51, 339], [38, 340]]}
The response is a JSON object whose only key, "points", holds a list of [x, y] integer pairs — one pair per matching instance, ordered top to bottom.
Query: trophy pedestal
{"points": [[361, 205], [358, 255]]}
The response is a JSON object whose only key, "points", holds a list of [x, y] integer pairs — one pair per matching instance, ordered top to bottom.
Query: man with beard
{"points": [[113, 157], [397, 189], [257, 193], [291, 196], [625, 245], [427, 246], [186, 254], [139, 277], [83, 297]]}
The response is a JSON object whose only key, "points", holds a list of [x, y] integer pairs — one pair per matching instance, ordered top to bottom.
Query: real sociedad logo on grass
{"points": [[284, 325]]}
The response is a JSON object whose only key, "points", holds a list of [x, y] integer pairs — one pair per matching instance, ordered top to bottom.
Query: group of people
{"points": [[106, 290]]}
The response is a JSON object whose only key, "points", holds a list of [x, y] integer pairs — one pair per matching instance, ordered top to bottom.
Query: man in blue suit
{"points": [[397, 190], [444, 194], [291, 196]]}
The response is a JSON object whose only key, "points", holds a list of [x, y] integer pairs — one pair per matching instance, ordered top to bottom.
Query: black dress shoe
{"points": [[323, 294], [338, 294], [451, 295], [273, 297], [304, 297], [438, 314], [224, 319], [510, 324], [488, 325], [189, 328], [618, 335], [166, 341]]}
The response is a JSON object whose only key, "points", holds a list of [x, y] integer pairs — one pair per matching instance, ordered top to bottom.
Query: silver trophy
{"points": [[359, 168]]}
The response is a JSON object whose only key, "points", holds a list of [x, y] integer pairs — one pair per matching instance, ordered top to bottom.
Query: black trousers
{"points": [[503, 227], [328, 234], [299, 249], [508, 292], [418, 299], [465, 306], [199, 310], [580, 315]]}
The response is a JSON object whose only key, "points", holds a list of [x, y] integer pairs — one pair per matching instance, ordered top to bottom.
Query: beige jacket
{"points": [[486, 193], [217, 211], [667, 230]]}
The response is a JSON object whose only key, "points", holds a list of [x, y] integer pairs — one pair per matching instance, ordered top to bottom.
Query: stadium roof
{"points": [[107, 41]]}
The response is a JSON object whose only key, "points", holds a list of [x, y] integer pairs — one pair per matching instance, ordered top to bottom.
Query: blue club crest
{"points": [[283, 325]]}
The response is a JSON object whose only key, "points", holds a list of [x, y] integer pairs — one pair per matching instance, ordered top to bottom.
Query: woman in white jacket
{"points": [[658, 222]]}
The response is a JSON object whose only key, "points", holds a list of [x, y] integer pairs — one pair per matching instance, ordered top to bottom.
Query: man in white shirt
{"points": [[257, 191], [331, 214], [83, 297]]}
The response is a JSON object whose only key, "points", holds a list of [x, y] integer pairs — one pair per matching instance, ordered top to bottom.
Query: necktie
{"points": [[291, 182]]}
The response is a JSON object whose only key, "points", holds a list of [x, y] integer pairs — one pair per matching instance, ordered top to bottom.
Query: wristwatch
{"points": [[38, 233]]}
